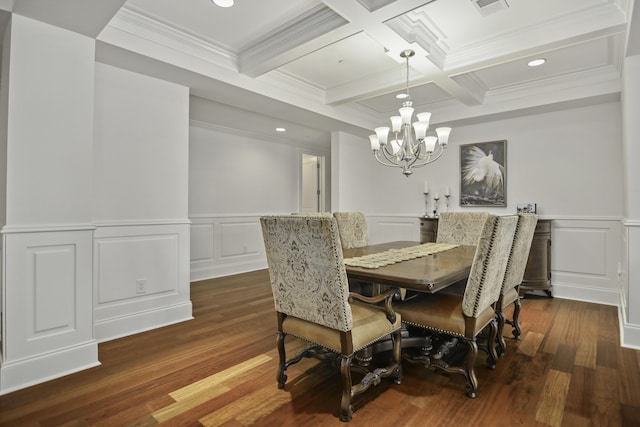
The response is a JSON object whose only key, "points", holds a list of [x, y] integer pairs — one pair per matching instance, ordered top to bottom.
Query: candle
{"points": [[426, 187], [447, 191], [436, 196]]}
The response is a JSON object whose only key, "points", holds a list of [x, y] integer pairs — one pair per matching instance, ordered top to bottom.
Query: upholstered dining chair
{"points": [[462, 228], [353, 229], [354, 233], [516, 265], [313, 303], [464, 317]]}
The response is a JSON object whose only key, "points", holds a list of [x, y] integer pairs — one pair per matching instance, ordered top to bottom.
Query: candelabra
{"points": [[447, 201], [426, 204], [435, 205]]}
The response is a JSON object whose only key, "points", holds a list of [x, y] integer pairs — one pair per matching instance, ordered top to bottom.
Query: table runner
{"points": [[393, 256]]}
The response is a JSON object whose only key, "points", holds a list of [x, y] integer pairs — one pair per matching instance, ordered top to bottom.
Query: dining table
{"points": [[409, 266], [428, 273]]}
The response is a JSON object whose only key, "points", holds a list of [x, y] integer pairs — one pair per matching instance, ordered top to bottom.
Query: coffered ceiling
{"points": [[315, 66]]}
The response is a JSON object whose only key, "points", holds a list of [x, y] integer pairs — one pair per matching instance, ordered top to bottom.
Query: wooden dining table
{"points": [[430, 273]]}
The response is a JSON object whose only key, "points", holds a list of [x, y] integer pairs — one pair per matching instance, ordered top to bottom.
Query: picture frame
{"points": [[483, 174]]}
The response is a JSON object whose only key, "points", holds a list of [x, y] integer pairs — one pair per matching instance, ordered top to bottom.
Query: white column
{"points": [[47, 98], [631, 244]]}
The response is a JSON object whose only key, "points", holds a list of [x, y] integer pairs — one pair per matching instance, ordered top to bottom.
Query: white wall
{"points": [[141, 148], [568, 162], [233, 173], [234, 179], [140, 203], [47, 312]]}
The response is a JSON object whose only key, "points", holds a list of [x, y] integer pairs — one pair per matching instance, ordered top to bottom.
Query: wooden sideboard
{"points": [[537, 276]]}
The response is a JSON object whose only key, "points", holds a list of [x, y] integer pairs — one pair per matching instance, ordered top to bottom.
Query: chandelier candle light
{"points": [[406, 149]]}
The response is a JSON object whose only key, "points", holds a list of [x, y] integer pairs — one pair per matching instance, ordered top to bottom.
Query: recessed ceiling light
{"points": [[223, 3], [536, 62], [402, 95], [281, 130]]}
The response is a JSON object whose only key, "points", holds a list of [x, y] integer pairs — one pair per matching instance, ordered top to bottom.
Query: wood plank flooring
{"points": [[219, 370]]}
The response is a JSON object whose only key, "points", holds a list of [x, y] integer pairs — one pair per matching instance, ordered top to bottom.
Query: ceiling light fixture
{"points": [[223, 3], [536, 62], [281, 130], [408, 150]]}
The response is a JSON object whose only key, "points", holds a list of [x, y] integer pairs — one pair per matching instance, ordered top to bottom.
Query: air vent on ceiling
{"points": [[487, 7]]}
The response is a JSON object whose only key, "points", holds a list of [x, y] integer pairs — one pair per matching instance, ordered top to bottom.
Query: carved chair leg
{"points": [[516, 319], [396, 337], [491, 345], [502, 345], [470, 373], [281, 377], [346, 410]]}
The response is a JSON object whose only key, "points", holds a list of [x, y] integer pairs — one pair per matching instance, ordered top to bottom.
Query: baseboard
{"points": [[227, 270], [586, 294], [134, 323], [629, 334], [23, 373]]}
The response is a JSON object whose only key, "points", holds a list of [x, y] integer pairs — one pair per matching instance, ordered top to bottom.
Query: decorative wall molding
{"points": [[46, 228], [225, 245], [585, 251], [585, 260], [141, 277], [48, 279], [629, 333], [19, 374]]}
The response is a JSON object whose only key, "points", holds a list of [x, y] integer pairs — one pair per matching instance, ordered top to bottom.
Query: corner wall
{"points": [[140, 203], [47, 312]]}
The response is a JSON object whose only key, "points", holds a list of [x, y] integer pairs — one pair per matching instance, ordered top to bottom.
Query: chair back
{"points": [[462, 228], [354, 232], [519, 251], [489, 264], [306, 269]]}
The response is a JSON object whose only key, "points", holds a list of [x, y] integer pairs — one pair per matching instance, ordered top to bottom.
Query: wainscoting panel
{"points": [[384, 229], [238, 239], [202, 243], [225, 245], [585, 253], [585, 260], [135, 266], [141, 278], [51, 286], [48, 327]]}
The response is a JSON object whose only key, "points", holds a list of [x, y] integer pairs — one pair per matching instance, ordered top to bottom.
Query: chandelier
{"points": [[407, 150]]}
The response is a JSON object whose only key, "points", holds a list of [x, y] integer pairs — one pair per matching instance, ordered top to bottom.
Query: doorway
{"points": [[312, 179]]}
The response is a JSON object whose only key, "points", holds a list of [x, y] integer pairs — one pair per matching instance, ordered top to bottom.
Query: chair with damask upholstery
{"points": [[462, 228], [353, 229], [354, 233], [516, 265], [313, 303], [456, 321]]}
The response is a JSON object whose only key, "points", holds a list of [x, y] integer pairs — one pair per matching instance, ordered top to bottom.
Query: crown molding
{"points": [[607, 20], [140, 25], [413, 29], [256, 58]]}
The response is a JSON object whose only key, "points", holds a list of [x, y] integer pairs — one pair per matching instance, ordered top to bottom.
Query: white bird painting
{"points": [[482, 176]]}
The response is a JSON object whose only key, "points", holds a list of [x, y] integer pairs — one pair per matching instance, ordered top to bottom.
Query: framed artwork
{"points": [[483, 174]]}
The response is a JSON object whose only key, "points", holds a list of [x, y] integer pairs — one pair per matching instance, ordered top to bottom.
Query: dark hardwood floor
{"points": [[219, 370]]}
